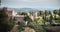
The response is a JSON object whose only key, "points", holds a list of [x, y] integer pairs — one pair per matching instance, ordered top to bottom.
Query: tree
{"points": [[46, 12], [50, 12], [55, 12], [59, 12], [19, 13], [24, 13], [41, 13], [44, 16], [27, 18], [51, 18], [47, 19], [57, 20], [6, 24], [22, 25], [36, 26]]}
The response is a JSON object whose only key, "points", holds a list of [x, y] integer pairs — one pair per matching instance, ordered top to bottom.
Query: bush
{"points": [[39, 20], [21, 26], [36, 26]]}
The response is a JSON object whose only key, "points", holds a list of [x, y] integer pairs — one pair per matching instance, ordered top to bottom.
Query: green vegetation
{"points": [[22, 13], [45, 17], [27, 18], [57, 20], [39, 21], [6, 23], [36, 25], [21, 26]]}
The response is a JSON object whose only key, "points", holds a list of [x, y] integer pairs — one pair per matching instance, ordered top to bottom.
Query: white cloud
{"points": [[28, 0], [33, 0], [36, 0], [31, 3]]}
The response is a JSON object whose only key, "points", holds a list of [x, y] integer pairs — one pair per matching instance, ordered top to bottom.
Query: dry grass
{"points": [[15, 29], [27, 29]]}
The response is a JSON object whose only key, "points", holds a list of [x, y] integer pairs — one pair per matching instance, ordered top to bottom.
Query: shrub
{"points": [[21, 26], [36, 26]]}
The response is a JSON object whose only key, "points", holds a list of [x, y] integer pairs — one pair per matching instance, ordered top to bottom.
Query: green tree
{"points": [[46, 12], [56, 12], [59, 12], [19, 13], [23, 13], [41, 13], [50, 13], [44, 16], [27, 18], [51, 18], [47, 19], [5, 23], [21, 26], [36, 26]]}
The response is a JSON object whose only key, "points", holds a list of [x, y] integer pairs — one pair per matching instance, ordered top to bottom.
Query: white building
{"points": [[12, 13]]}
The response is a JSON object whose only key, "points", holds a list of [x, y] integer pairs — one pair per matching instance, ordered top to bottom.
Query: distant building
{"points": [[11, 13], [33, 15], [19, 18]]}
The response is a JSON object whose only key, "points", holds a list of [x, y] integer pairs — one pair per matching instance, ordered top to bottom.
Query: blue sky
{"points": [[38, 4]]}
